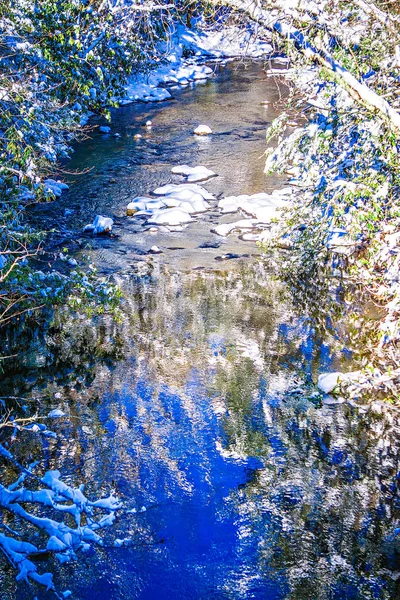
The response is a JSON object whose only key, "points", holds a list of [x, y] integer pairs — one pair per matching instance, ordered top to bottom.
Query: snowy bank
{"points": [[198, 46]]}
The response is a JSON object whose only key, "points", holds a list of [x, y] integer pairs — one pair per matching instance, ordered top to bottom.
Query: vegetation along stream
{"points": [[197, 405]]}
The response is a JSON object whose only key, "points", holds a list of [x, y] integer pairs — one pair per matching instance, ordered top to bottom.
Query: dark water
{"points": [[200, 408]]}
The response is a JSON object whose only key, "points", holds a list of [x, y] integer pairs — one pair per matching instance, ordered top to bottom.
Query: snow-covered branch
{"points": [[287, 31], [62, 540]]}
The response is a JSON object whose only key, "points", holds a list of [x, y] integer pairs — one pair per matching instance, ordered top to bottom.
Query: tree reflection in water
{"points": [[200, 407]]}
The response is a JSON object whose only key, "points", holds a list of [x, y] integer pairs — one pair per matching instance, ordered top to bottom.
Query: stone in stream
{"points": [[104, 129], [202, 130], [193, 174], [54, 187], [171, 188], [171, 201], [143, 203], [155, 204], [265, 214], [170, 216], [101, 225], [224, 229], [250, 237], [215, 244], [155, 250], [227, 256], [327, 382], [56, 413]]}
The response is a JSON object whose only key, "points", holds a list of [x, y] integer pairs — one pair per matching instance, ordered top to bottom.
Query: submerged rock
{"points": [[228, 256]]}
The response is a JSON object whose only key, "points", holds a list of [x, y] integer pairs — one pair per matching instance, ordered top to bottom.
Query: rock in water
{"points": [[105, 129], [202, 130], [193, 174], [171, 188], [170, 216], [100, 225], [224, 229], [155, 250], [328, 381], [56, 413]]}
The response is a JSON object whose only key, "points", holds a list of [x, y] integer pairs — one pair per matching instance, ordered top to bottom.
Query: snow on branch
{"points": [[360, 91], [62, 540]]}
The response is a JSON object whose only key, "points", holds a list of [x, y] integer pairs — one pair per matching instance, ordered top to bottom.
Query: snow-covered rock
{"points": [[202, 130], [193, 174], [54, 187], [171, 188], [183, 194], [171, 201], [143, 203], [155, 204], [263, 207], [265, 214], [170, 216], [245, 224], [100, 225], [223, 229], [250, 237], [155, 250], [327, 382]]}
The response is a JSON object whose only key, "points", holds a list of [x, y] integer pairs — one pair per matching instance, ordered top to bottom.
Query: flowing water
{"points": [[200, 408]]}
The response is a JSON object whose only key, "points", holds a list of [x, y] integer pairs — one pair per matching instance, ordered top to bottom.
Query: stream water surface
{"points": [[200, 408]]}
